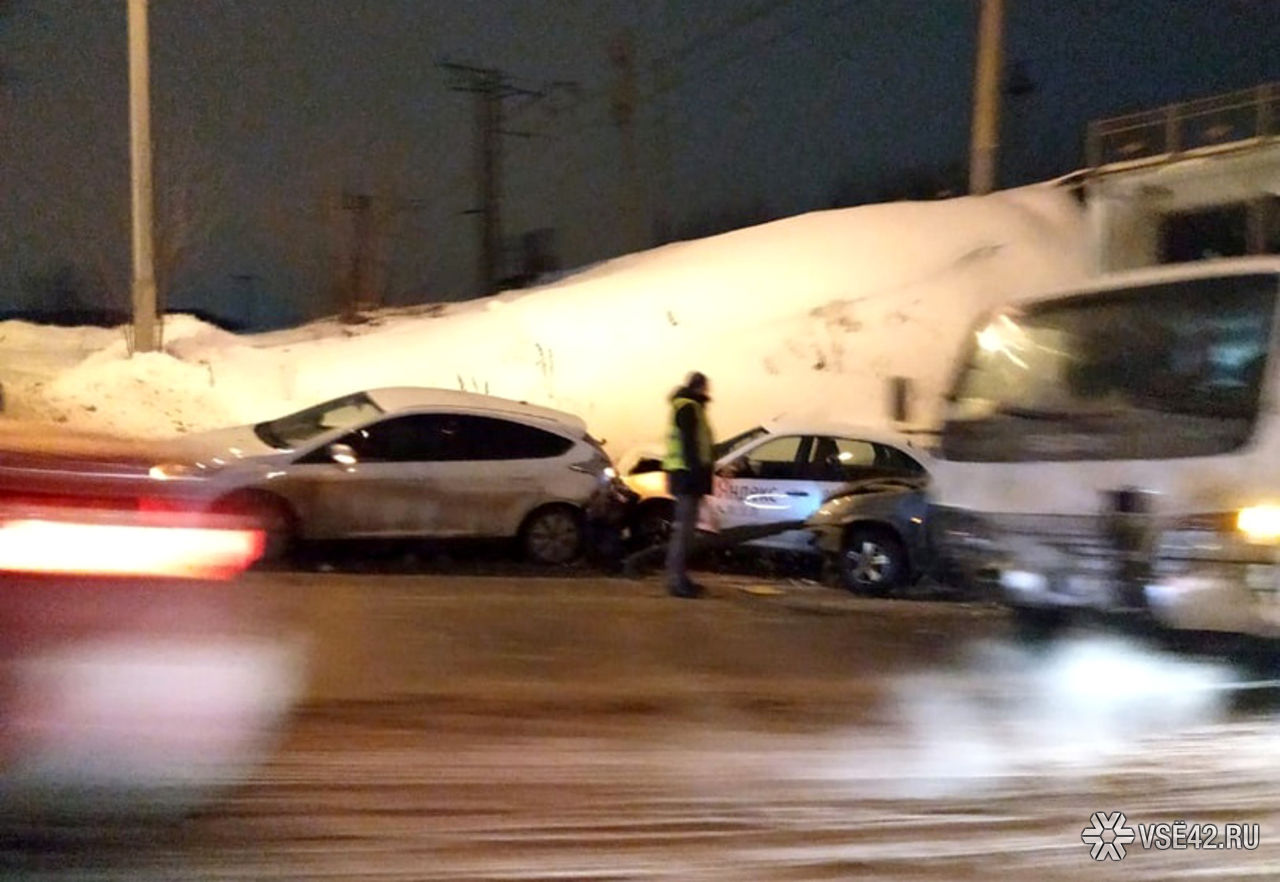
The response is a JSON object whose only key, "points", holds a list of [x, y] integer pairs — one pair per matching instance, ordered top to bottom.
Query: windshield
{"points": [[1173, 369], [288, 432], [720, 448]]}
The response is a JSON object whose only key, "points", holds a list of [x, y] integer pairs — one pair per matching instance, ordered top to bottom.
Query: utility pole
{"points": [[491, 88], [986, 99], [488, 106], [663, 179], [635, 212], [361, 224], [358, 270], [247, 283], [145, 326]]}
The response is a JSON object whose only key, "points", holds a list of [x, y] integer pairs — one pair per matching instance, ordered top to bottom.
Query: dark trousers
{"points": [[682, 530]]}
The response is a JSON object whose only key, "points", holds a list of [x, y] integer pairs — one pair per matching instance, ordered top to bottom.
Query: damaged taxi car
{"points": [[782, 473]]}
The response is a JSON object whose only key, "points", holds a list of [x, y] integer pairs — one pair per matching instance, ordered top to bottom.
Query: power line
{"points": [[842, 9], [749, 17], [710, 37], [703, 71], [492, 88]]}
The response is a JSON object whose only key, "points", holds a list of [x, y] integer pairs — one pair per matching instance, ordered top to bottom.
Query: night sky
{"points": [[264, 111]]}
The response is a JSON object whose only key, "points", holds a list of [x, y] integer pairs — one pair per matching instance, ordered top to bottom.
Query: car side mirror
{"points": [[343, 454]]}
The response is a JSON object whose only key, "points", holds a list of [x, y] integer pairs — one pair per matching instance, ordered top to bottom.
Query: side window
{"points": [[432, 437], [447, 437], [412, 438], [489, 438], [372, 443], [369, 444], [776, 459], [841, 459], [893, 459]]}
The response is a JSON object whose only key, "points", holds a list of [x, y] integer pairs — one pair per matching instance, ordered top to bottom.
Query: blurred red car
{"points": [[136, 678]]}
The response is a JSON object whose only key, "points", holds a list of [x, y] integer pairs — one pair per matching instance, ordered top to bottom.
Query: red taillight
{"points": [[34, 545]]}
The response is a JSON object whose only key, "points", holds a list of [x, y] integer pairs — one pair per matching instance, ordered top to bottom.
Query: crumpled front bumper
{"points": [[966, 551], [1197, 574]]}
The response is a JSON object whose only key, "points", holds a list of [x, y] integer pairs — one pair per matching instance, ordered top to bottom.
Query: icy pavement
{"points": [[730, 739]]}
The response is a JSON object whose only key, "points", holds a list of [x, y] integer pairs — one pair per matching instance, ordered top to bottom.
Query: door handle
{"points": [[797, 493]]}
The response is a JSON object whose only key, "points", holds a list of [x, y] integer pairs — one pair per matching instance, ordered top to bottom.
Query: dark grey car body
{"points": [[892, 511]]}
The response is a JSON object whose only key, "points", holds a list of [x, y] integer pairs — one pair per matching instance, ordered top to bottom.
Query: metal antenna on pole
{"points": [[491, 87], [145, 325]]}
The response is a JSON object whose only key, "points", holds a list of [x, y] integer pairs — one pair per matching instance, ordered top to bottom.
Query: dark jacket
{"points": [[696, 479]]}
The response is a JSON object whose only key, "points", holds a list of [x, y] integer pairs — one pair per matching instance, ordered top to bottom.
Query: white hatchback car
{"points": [[412, 462], [778, 472]]}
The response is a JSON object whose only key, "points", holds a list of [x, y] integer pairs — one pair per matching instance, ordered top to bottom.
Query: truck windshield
{"points": [[1159, 371]]}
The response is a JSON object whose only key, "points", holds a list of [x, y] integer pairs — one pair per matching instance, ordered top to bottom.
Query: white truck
{"points": [[1116, 447]]}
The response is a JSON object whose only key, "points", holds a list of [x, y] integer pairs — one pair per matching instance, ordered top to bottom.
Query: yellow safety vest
{"points": [[674, 459]]}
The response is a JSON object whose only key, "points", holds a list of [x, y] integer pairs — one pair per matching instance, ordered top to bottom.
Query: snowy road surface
{"points": [[472, 728]]}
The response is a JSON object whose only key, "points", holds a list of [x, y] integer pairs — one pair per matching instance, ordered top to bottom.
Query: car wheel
{"points": [[653, 524], [553, 535], [872, 561]]}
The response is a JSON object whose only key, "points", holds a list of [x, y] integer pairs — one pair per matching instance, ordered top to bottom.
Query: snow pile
{"points": [[808, 315]]}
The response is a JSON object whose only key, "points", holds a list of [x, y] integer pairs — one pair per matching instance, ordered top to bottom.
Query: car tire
{"points": [[276, 517], [653, 524], [552, 535], [873, 561]]}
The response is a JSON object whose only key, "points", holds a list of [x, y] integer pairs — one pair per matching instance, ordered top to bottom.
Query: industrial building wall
{"points": [[1187, 208]]}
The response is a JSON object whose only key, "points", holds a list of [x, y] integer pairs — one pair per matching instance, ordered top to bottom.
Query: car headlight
{"points": [[598, 466], [174, 471], [1259, 523]]}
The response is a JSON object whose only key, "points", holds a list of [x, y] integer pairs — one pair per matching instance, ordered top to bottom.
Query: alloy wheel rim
{"points": [[554, 537], [868, 563]]}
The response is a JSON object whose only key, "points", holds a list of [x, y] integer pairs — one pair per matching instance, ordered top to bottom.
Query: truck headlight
{"points": [[1259, 523]]}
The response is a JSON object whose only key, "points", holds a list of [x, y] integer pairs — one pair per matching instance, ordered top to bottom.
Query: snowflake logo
{"points": [[1107, 836]]}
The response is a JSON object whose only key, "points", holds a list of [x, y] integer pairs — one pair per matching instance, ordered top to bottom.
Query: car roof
{"points": [[1154, 275], [396, 398], [784, 425]]}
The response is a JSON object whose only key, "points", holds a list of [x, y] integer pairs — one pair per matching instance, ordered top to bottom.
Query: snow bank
{"points": [[808, 315]]}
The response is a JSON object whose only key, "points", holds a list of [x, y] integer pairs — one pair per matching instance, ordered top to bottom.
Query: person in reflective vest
{"points": [[688, 463]]}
